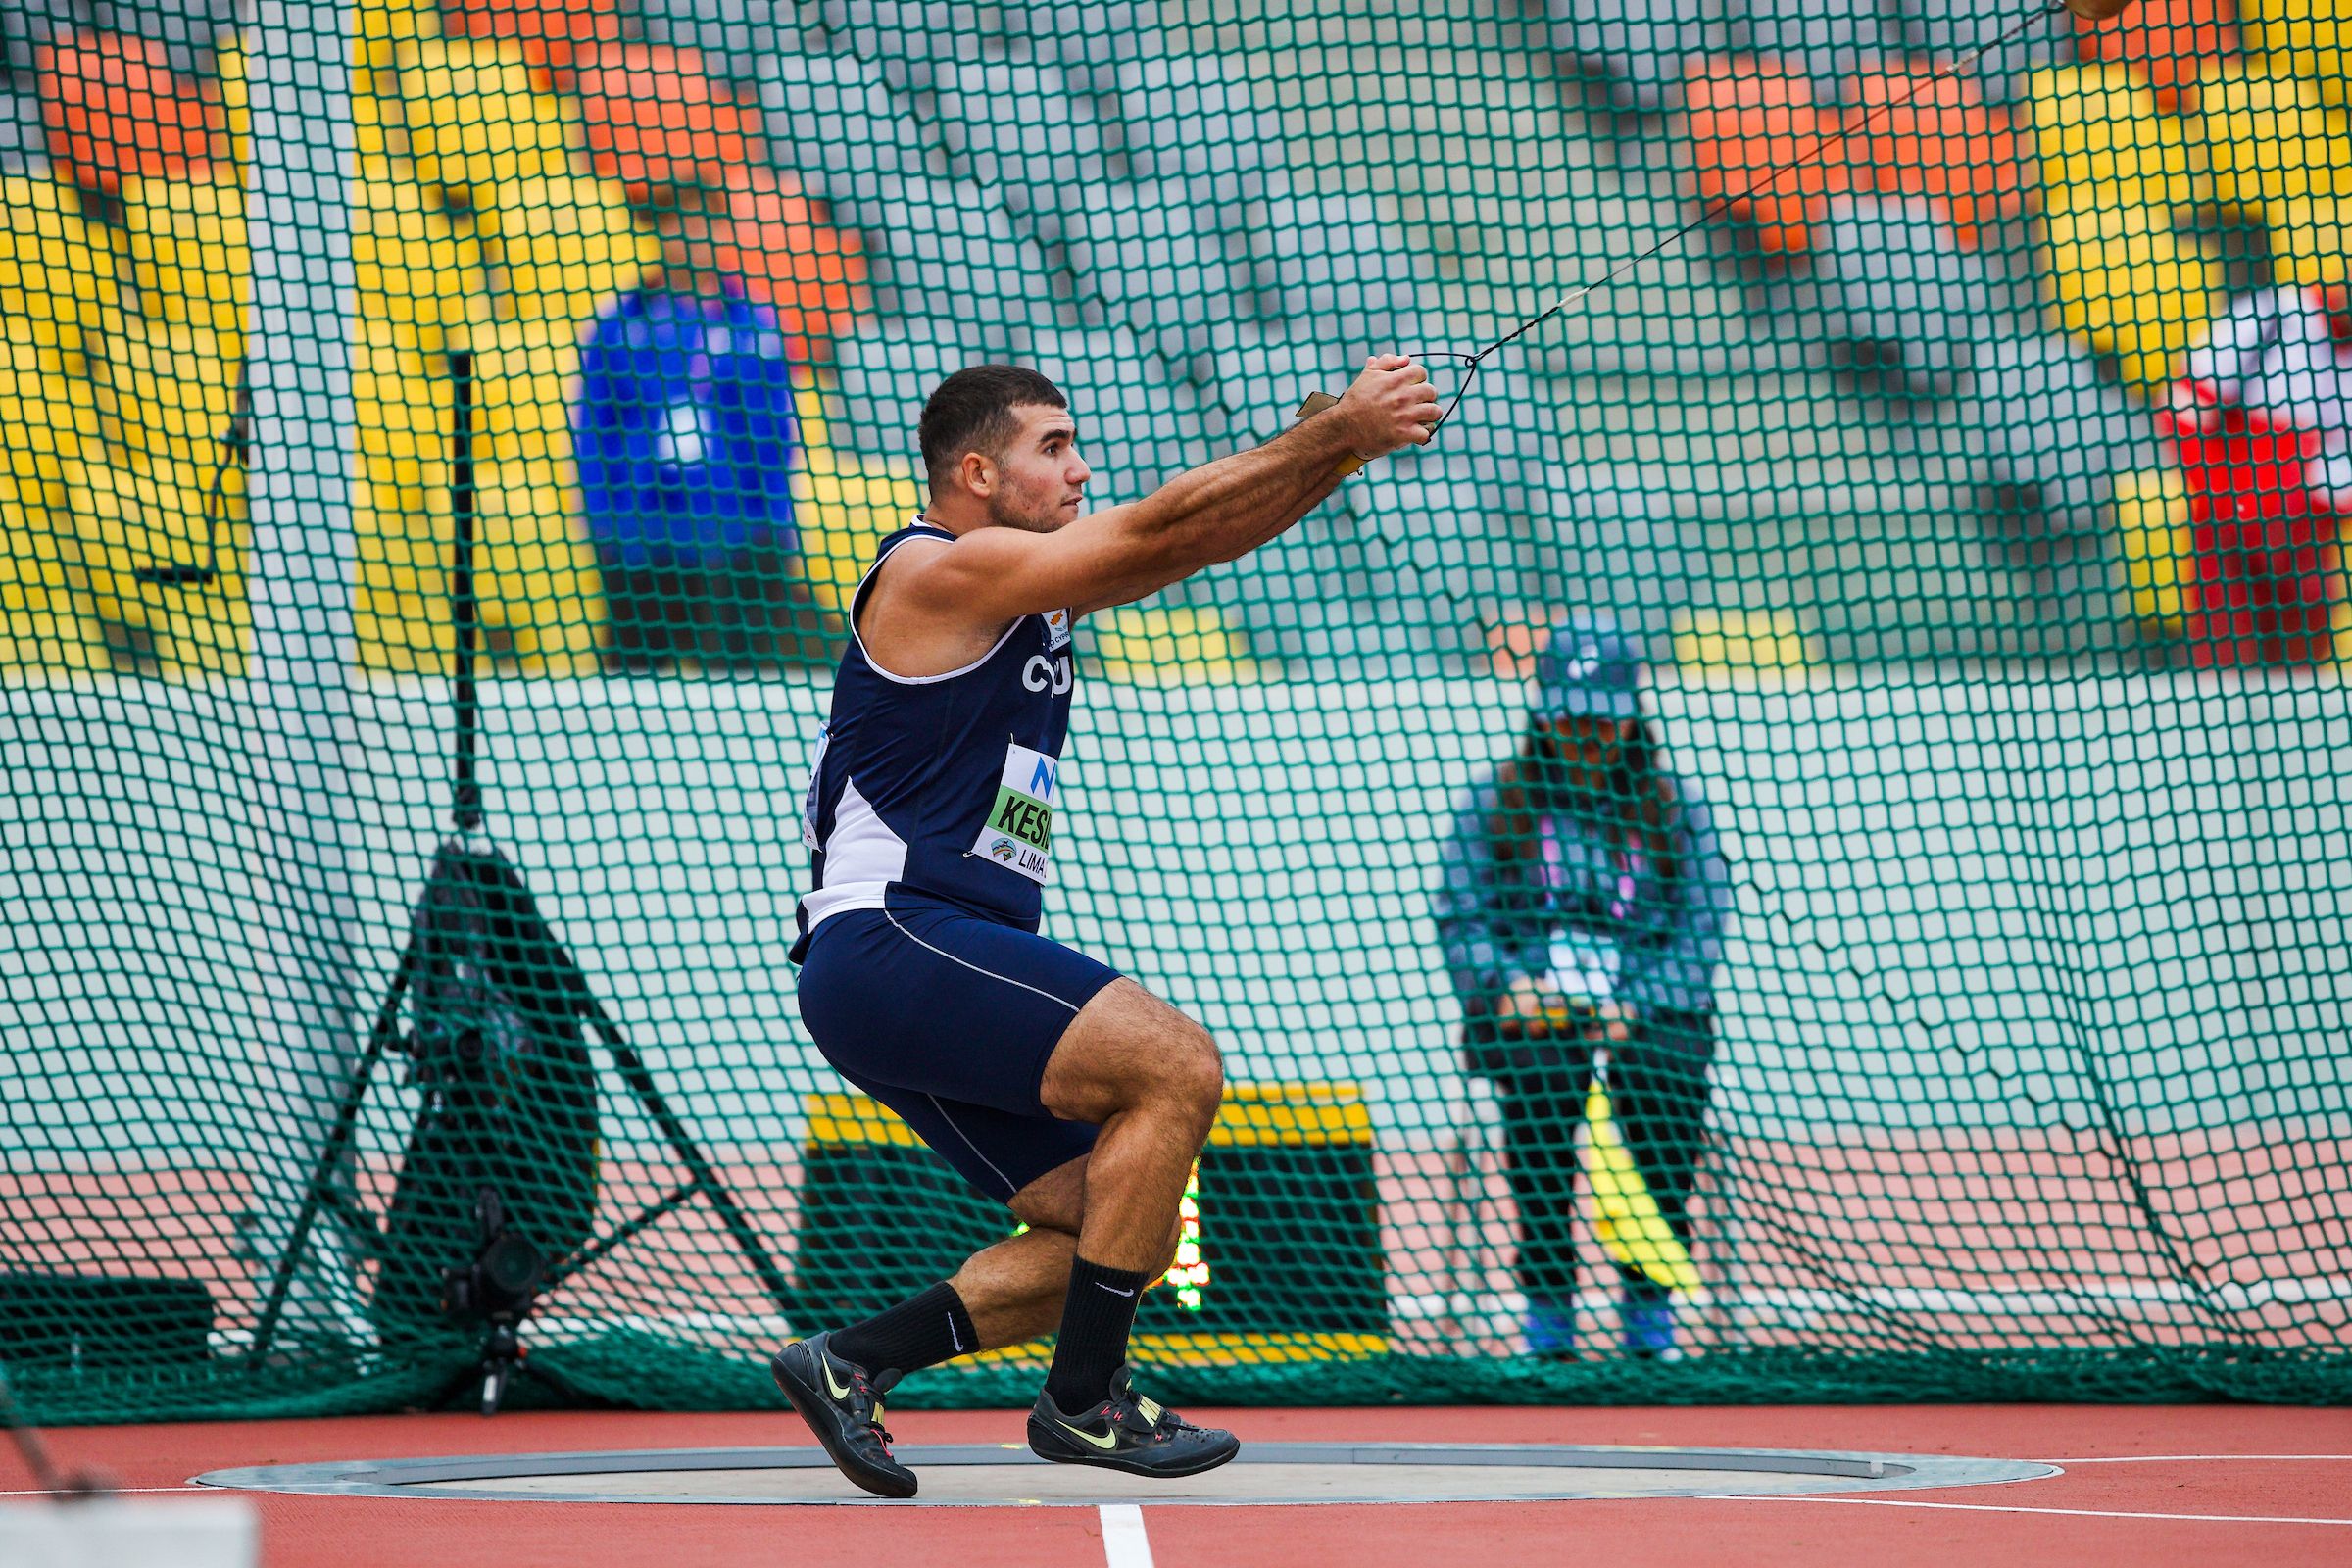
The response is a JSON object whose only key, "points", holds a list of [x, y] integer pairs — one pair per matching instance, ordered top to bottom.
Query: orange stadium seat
{"points": [[550, 32], [2167, 43], [114, 110], [1745, 117], [654, 118], [1938, 141], [813, 274]]}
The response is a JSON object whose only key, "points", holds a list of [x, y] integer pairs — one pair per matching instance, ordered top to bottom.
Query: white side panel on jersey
{"points": [[863, 857]]}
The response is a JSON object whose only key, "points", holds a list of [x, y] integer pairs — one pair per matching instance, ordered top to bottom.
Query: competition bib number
{"points": [[1018, 832]]}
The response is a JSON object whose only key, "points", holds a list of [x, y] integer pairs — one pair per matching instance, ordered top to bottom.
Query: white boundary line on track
{"points": [[2202, 1458], [2077, 1513], [1124, 1544]]}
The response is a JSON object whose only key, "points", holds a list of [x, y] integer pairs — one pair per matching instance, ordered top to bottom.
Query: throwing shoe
{"points": [[843, 1406], [1128, 1431]]}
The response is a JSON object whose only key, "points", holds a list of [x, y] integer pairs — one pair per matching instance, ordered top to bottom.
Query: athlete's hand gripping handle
{"points": [[1389, 406]]}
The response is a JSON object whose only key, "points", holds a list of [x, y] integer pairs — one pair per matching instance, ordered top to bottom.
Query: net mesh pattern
{"points": [[1949, 1006]]}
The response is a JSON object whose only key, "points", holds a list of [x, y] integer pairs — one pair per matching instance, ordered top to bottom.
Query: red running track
{"points": [[2261, 1478]]}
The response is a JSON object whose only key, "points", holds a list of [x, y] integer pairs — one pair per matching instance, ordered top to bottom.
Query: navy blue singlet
{"points": [[941, 784]]}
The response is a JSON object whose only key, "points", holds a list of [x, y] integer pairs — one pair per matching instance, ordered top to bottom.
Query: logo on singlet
{"points": [[1047, 674], [1018, 830]]}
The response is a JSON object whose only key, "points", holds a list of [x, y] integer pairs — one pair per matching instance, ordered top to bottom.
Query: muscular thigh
{"points": [[1126, 1046]]}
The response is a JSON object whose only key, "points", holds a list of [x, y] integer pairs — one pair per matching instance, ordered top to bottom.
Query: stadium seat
{"points": [[189, 31], [1946, 31], [549, 32], [736, 39], [912, 39], [2300, 39], [1825, 41], [2167, 43], [1090, 47], [1636, 52], [115, 109], [476, 116], [652, 117], [1195, 118], [1745, 118], [836, 123], [1021, 131], [2270, 139], [1936, 140], [23, 142], [2103, 144], [2311, 242], [942, 247], [558, 248], [1141, 251], [189, 257], [1331, 267], [412, 272], [812, 273], [2122, 282], [59, 287], [1891, 297], [882, 375], [168, 392], [401, 402], [47, 414], [2043, 417], [1138, 425], [842, 503], [134, 512], [2152, 522], [540, 596], [1170, 645]]}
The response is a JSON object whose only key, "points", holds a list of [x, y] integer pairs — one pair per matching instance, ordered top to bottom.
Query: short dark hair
{"points": [[972, 412]]}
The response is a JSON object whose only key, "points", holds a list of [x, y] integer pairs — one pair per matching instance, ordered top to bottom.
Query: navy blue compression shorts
{"points": [[948, 1018]]}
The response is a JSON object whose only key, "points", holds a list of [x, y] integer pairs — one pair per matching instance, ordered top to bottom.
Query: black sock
{"points": [[1094, 1323], [920, 1332]]}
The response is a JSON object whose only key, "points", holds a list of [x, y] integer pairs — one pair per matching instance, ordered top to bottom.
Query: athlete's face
{"points": [[1037, 484], [1586, 749]]}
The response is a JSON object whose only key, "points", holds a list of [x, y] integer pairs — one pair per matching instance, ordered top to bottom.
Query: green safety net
{"points": [[441, 442]]}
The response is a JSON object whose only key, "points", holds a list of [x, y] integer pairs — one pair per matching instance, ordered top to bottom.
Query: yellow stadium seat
{"points": [[2300, 39], [236, 99], [475, 117], [2270, 139], [2102, 143], [2311, 242], [563, 247], [190, 259], [413, 271], [57, 280], [2123, 282], [167, 391], [400, 402], [45, 415], [843, 504], [136, 513], [2159, 553], [542, 600], [1741, 644], [1181, 645]]}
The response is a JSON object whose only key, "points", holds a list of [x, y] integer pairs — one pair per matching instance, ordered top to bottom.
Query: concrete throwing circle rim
{"points": [[1583, 1472]]}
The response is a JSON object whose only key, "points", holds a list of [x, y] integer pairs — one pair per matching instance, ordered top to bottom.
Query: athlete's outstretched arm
{"points": [[1215, 512]]}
